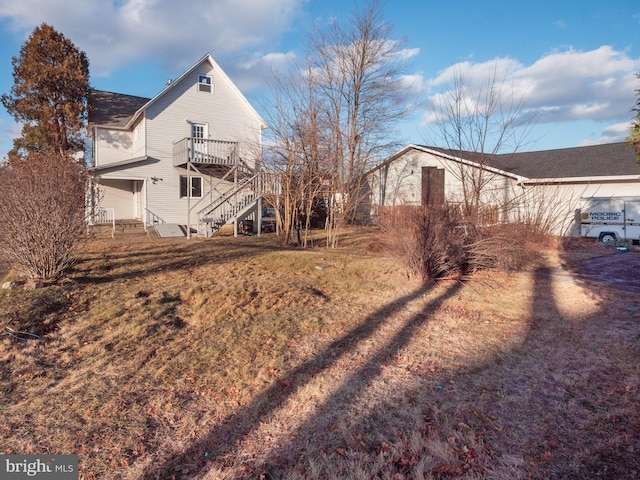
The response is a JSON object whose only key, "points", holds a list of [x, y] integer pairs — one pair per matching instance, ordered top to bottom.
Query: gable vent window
{"points": [[204, 83]]}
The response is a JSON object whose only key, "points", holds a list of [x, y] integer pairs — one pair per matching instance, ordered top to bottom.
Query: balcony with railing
{"points": [[203, 151], [236, 195]]}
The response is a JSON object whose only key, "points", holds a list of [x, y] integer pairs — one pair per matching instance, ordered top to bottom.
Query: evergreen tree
{"points": [[49, 95]]}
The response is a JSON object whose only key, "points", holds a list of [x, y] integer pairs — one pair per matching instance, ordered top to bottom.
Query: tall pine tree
{"points": [[49, 95]]}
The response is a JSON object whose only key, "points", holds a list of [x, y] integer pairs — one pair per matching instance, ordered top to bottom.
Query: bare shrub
{"points": [[42, 212], [430, 240], [437, 243], [504, 246]]}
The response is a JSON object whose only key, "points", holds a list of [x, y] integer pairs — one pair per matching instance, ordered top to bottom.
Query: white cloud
{"points": [[115, 34], [408, 53], [253, 71], [413, 84], [596, 85], [588, 110], [9, 130], [617, 132]]}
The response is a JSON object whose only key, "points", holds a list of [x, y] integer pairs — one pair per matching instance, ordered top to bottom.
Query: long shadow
{"points": [[128, 265], [359, 380], [448, 400], [547, 409], [224, 439]]}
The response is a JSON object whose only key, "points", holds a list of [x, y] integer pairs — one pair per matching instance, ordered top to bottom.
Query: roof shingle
{"points": [[113, 109], [592, 161]]}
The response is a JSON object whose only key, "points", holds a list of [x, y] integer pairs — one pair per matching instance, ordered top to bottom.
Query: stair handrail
{"points": [[227, 196], [226, 212], [104, 216], [152, 219]]}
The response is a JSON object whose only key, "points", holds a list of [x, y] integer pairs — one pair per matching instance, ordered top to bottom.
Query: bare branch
{"points": [[42, 212]]}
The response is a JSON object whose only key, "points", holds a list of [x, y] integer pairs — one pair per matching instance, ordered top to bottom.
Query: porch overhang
{"points": [[116, 165]]}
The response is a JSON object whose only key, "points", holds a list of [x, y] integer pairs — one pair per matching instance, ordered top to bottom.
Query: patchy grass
{"points": [[233, 358]]}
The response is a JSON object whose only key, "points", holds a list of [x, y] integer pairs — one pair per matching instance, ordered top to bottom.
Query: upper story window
{"points": [[204, 83]]}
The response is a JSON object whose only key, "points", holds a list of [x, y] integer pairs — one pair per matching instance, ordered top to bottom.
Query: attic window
{"points": [[204, 83]]}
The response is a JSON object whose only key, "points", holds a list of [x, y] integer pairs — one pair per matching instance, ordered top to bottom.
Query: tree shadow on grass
{"points": [[159, 258], [546, 408], [225, 439]]}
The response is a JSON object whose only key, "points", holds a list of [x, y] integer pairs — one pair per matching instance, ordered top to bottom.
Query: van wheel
{"points": [[607, 239]]}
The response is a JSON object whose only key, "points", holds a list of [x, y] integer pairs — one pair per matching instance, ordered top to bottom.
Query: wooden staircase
{"points": [[237, 198], [230, 207]]}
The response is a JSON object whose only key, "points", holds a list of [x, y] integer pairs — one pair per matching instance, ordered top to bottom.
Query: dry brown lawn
{"points": [[234, 358]]}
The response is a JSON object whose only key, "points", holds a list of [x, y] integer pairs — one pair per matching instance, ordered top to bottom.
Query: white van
{"points": [[611, 219]]}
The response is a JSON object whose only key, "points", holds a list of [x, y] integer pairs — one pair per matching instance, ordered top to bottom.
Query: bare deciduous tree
{"points": [[358, 65], [345, 120], [476, 121], [634, 130], [293, 156], [42, 212]]}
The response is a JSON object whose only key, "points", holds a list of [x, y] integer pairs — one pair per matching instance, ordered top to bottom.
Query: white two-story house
{"points": [[188, 156]]}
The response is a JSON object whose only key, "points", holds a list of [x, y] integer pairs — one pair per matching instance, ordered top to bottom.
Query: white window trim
{"points": [[208, 85], [190, 186]]}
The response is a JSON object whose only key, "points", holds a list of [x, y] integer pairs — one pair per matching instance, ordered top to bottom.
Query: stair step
{"points": [[122, 228]]}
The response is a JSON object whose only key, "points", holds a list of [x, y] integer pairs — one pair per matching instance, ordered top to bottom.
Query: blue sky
{"points": [[572, 62]]}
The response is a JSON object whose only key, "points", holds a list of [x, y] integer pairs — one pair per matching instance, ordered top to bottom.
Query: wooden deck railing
{"points": [[205, 151]]}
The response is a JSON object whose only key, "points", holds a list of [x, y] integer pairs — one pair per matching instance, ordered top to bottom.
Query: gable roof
{"points": [[214, 64], [113, 109], [121, 111], [468, 158], [607, 160], [592, 161]]}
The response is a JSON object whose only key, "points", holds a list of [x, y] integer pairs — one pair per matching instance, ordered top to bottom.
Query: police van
{"points": [[611, 220]]}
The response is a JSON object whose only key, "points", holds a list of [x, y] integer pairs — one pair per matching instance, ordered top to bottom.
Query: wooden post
{"points": [[189, 200], [259, 215]]}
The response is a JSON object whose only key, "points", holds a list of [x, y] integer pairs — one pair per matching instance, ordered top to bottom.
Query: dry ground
{"points": [[4, 267], [232, 358]]}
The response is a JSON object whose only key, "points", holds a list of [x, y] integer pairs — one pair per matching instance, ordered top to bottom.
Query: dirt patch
{"points": [[618, 269]]}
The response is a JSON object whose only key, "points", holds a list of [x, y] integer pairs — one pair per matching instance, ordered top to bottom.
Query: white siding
{"points": [[169, 120], [165, 122], [112, 146], [139, 147], [399, 182], [119, 195], [564, 200]]}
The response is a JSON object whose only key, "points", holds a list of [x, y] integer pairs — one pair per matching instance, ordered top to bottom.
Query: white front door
{"points": [[199, 135], [138, 200]]}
